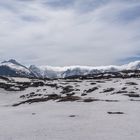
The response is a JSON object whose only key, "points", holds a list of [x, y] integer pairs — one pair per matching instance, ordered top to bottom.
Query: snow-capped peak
{"points": [[11, 61], [13, 64], [132, 66], [14, 68], [61, 72]]}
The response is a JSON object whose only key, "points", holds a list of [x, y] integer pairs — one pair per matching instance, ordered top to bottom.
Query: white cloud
{"points": [[43, 34]]}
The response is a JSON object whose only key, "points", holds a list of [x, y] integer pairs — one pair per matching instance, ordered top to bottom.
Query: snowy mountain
{"points": [[13, 68], [63, 72]]}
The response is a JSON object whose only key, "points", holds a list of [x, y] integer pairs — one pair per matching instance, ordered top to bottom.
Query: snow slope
{"points": [[77, 120]]}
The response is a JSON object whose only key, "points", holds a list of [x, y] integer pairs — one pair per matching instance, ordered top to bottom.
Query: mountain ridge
{"points": [[13, 68]]}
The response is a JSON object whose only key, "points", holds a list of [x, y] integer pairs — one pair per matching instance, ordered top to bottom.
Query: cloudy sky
{"points": [[70, 32]]}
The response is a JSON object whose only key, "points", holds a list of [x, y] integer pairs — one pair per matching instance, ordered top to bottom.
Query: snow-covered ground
{"points": [[107, 109]]}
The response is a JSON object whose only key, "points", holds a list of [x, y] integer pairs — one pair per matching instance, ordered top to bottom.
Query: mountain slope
{"points": [[15, 69], [63, 72]]}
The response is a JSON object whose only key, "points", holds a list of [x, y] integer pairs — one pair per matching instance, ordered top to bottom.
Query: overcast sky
{"points": [[70, 32]]}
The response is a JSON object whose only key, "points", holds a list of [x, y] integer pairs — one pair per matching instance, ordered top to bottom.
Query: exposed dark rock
{"points": [[4, 78], [100, 81], [93, 83], [131, 83], [37, 84], [52, 85], [11, 87], [124, 88], [67, 89], [77, 89], [38, 90], [91, 90], [108, 90], [120, 92], [132, 92], [70, 94], [83, 94], [30, 95], [132, 95], [22, 96], [53, 96], [59, 98], [69, 98], [35, 100], [90, 100], [93, 100], [111, 100], [134, 100], [115, 112], [33, 113], [72, 116]]}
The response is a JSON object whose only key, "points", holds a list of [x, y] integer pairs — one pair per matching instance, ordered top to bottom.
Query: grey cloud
{"points": [[74, 35]]}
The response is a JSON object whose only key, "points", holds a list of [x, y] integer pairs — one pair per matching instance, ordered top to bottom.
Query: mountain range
{"points": [[12, 68]]}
